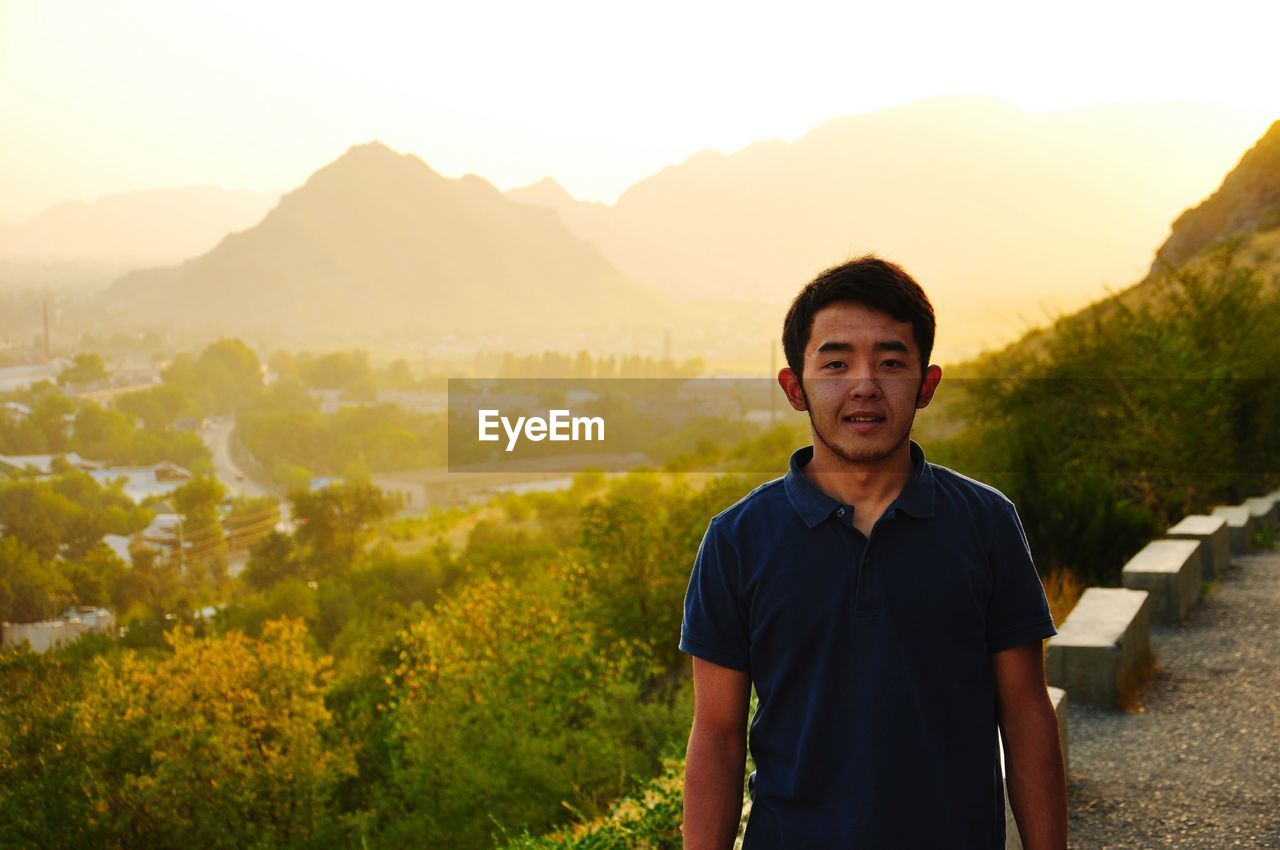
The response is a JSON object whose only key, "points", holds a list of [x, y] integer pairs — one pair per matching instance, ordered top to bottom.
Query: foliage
{"points": [[554, 364], [85, 369], [348, 371], [224, 377], [158, 407], [1134, 416], [58, 425], [300, 441], [333, 523], [51, 554], [272, 559], [30, 587], [153, 590], [504, 703], [224, 742], [42, 755], [650, 819]]}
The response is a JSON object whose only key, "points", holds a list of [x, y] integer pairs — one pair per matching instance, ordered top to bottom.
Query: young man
{"points": [[886, 610]]}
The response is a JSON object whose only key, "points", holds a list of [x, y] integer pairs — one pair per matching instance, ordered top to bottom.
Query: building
{"points": [[44, 464], [143, 482]]}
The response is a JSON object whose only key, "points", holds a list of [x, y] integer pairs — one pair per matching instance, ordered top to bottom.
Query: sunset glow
{"points": [[145, 94]]}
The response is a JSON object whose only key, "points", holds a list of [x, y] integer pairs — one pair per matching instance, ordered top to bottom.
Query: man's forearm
{"points": [[713, 771], [1036, 779]]}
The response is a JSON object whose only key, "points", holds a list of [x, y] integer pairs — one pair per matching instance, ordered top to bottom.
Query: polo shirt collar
{"points": [[814, 506]]}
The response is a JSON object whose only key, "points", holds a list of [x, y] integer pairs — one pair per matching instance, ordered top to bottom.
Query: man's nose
{"points": [[864, 386]]}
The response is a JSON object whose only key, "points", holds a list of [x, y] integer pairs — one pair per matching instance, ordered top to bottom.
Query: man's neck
{"points": [[869, 486]]}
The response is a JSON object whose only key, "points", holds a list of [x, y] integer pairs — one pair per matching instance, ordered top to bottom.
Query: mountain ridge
{"points": [[1248, 200], [987, 205], [378, 239]]}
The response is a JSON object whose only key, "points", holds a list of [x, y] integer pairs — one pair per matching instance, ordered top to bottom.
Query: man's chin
{"points": [[862, 453]]}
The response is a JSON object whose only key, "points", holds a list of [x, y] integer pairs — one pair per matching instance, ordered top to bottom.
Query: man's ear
{"points": [[790, 383], [928, 386]]}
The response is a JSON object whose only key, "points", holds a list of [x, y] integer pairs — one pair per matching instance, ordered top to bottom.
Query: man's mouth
{"points": [[863, 422]]}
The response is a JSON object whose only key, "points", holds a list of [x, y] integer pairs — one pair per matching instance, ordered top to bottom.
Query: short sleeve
{"points": [[1018, 612], [714, 627]]}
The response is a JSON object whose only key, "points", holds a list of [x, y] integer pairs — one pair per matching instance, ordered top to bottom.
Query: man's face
{"points": [[861, 384]]}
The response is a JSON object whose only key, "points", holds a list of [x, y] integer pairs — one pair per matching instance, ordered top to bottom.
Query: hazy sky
{"points": [[104, 97]]}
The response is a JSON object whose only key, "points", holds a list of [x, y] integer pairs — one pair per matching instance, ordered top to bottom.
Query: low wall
{"points": [[43, 635], [1103, 645]]}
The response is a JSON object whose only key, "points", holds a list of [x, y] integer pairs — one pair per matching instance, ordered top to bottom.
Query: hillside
{"points": [[1248, 201], [1245, 210], [378, 243]]}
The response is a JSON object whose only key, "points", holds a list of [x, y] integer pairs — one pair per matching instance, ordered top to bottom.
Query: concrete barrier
{"points": [[1263, 507], [1241, 524], [1213, 532], [1169, 570], [1104, 648], [1057, 696]]}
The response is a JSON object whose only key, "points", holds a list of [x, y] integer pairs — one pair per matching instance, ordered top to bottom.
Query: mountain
{"points": [[1247, 201], [1001, 214], [134, 228], [377, 243]]}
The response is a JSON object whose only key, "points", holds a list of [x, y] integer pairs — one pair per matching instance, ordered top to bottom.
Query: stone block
{"points": [[1263, 507], [1241, 524], [1213, 532], [1170, 571], [1103, 648]]}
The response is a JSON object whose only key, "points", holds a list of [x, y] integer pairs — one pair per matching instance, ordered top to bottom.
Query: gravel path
{"points": [[1199, 769]]}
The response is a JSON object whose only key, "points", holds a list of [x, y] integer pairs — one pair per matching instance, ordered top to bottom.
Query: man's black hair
{"points": [[867, 280]]}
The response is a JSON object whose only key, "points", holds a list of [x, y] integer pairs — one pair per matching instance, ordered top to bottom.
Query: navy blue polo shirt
{"points": [[871, 656]]}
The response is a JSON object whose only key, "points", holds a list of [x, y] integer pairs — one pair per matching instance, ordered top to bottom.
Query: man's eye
{"points": [[894, 363], [834, 364]]}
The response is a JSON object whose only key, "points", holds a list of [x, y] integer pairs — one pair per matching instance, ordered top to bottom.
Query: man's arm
{"points": [[1032, 752], [716, 760]]}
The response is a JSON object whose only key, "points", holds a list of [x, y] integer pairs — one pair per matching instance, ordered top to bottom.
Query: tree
{"points": [[85, 369], [336, 370], [398, 375], [225, 376], [157, 407], [1135, 413], [49, 416], [333, 523], [272, 559], [95, 575], [30, 589], [152, 589], [507, 706], [223, 743], [41, 754]]}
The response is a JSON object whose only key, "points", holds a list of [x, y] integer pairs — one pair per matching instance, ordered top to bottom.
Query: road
{"points": [[217, 437]]}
